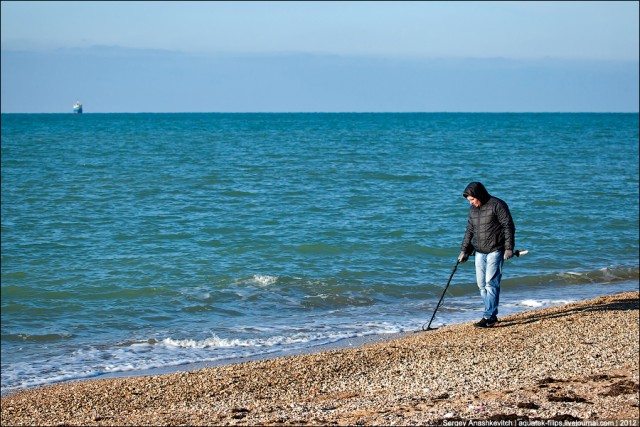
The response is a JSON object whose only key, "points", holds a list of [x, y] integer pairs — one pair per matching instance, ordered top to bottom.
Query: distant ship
{"points": [[77, 108]]}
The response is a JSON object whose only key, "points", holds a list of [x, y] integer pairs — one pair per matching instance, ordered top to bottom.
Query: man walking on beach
{"points": [[491, 234]]}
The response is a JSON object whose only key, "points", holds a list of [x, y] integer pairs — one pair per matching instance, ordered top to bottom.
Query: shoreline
{"points": [[341, 344], [336, 345], [572, 362]]}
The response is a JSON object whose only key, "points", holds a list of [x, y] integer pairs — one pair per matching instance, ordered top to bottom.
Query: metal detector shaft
{"points": [[441, 297]]}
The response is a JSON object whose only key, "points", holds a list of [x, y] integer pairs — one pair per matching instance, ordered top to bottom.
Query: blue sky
{"points": [[319, 56]]}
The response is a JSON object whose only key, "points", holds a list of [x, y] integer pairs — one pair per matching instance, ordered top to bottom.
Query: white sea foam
{"points": [[264, 280], [531, 303], [535, 303], [213, 342], [216, 342]]}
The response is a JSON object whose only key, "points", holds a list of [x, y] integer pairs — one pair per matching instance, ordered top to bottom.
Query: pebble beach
{"points": [[570, 364]]}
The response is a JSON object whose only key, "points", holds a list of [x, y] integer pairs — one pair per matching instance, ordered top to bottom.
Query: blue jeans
{"points": [[488, 276]]}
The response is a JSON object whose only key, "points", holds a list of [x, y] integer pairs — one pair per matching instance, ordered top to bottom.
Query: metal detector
{"points": [[429, 328]]}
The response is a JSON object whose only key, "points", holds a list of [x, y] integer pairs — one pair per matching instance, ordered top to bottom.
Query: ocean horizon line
{"points": [[333, 112]]}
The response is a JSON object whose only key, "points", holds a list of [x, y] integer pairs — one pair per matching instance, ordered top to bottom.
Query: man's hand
{"points": [[508, 254], [462, 257]]}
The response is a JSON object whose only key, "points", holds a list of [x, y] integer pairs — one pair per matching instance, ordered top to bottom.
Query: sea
{"points": [[133, 243]]}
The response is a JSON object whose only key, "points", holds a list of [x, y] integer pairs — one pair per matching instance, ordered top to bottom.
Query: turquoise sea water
{"points": [[139, 241]]}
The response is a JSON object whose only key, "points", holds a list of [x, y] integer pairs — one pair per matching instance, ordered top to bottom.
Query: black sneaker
{"points": [[485, 323]]}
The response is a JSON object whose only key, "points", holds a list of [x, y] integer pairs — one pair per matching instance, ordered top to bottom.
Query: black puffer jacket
{"points": [[490, 227]]}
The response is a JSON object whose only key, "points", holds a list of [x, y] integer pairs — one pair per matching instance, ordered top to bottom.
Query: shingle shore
{"points": [[569, 363]]}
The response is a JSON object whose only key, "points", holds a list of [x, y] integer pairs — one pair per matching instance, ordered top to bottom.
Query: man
{"points": [[490, 233]]}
